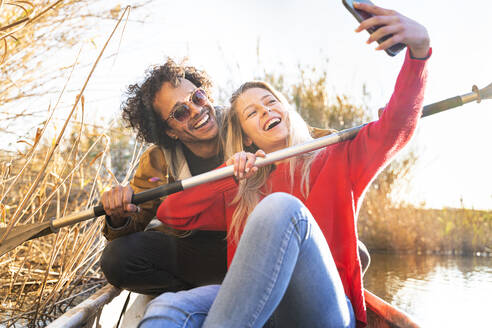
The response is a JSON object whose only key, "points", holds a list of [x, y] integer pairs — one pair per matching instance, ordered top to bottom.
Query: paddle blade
{"points": [[486, 93], [18, 235]]}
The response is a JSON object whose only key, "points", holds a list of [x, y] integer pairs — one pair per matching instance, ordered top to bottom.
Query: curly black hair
{"points": [[138, 109]]}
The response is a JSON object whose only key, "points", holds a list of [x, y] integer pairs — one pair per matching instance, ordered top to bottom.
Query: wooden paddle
{"points": [[20, 234]]}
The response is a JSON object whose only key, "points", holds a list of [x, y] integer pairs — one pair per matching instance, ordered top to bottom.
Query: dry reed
{"points": [[53, 177]]}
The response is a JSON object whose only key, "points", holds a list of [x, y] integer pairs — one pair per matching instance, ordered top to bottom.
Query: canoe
{"points": [[103, 309], [381, 314]]}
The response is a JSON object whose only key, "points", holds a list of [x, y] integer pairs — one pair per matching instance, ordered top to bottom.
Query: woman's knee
{"points": [[277, 206], [277, 210]]}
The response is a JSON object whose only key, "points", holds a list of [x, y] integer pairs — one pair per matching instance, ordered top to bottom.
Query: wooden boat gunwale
{"points": [[380, 313]]}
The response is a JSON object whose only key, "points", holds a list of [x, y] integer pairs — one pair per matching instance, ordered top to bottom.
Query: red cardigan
{"points": [[339, 176]]}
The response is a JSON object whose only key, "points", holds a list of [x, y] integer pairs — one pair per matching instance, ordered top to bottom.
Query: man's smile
{"points": [[203, 120]]}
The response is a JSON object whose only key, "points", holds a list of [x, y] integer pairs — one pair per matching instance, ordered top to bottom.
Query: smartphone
{"points": [[362, 15]]}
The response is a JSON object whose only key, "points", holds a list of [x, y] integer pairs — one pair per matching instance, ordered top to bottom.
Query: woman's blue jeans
{"points": [[282, 270]]}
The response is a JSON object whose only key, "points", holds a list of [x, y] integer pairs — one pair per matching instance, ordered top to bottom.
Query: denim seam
{"points": [[301, 218], [283, 247], [165, 317], [188, 317], [185, 322]]}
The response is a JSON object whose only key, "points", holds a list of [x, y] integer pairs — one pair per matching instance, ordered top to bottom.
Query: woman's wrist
{"points": [[420, 51], [419, 54]]}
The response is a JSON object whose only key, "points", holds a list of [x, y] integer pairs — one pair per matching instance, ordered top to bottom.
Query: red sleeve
{"points": [[379, 141], [200, 207]]}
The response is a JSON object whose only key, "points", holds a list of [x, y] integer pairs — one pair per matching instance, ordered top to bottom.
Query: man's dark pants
{"points": [[151, 262]]}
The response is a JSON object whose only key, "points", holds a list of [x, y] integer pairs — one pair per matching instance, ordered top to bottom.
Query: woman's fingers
{"points": [[372, 9], [379, 16], [389, 17], [387, 25], [393, 30], [403, 30], [389, 43], [260, 153], [238, 161], [234, 162], [244, 164], [250, 168]]}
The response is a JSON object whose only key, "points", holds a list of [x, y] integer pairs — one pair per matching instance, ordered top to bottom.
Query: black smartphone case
{"points": [[362, 15]]}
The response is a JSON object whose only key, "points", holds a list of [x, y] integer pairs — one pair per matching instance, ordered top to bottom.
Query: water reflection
{"points": [[439, 291]]}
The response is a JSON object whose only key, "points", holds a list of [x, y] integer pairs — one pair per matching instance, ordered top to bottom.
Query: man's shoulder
{"points": [[153, 151], [154, 156], [152, 165]]}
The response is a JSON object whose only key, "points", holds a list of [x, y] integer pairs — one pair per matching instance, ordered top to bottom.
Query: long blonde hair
{"points": [[232, 141]]}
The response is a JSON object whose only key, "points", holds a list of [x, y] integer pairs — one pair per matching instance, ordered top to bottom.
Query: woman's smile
{"points": [[264, 119]]}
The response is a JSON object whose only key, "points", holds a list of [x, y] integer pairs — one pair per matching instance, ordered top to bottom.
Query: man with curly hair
{"points": [[171, 110]]}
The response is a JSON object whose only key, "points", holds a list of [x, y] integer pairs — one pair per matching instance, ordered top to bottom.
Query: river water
{"points": [[437, 291]]}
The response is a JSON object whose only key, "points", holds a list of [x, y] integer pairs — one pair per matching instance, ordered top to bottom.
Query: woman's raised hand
{"points": [[404, 29], [244, 163]]}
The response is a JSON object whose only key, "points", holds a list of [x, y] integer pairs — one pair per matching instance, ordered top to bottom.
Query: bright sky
{"points": [[222, 36]]}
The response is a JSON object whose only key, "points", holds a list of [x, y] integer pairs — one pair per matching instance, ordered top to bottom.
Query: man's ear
{"points": [[171, 134]]}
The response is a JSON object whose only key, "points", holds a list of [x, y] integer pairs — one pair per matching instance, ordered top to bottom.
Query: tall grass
{"points": [[56, 174], [417, 230], [40, 273], [43, 277]]}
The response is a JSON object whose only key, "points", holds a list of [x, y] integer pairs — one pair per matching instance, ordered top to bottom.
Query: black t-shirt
{"points": [[199, 165]]}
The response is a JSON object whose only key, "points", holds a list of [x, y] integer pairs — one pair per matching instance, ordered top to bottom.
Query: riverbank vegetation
{"points": [[427, 231]]}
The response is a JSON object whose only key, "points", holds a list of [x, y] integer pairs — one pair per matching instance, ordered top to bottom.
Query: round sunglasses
{"points": [[182, 112]]}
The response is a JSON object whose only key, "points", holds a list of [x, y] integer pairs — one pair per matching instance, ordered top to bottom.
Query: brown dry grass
{"points": [[54, 176]]}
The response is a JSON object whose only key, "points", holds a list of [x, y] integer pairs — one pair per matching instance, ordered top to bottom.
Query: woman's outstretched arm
{"points": [[377, 143]]}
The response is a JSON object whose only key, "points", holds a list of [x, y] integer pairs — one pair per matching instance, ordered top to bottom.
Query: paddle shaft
{"points": [[270, 158], [98, 210]]}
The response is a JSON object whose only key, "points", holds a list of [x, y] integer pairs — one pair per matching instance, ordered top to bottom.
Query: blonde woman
{"points": [[292, 240]]}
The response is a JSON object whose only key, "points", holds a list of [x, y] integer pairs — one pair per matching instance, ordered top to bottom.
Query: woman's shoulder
{"points": [[332, 155]]}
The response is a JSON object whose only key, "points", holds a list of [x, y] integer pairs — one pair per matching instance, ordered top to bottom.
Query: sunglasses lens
{"points": [[199, 97], [182, 113]]}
